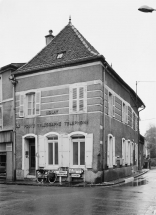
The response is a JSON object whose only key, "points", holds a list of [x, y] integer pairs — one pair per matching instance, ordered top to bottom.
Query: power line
{"points": [[147, 119]]}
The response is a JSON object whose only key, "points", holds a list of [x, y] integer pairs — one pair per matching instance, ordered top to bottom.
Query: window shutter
{"points": [[81, 98], [85, 98], [74, 99], [70, 100], [38, 102], [113, 106], [21, 107], [122, 112], [127, 114], [1, 117], [136, 123], [41, 141], [89, 150], [123, 151], [108, 152], [136, 152], [131, 153], [126, 160], [64, 162], [114, 163]]}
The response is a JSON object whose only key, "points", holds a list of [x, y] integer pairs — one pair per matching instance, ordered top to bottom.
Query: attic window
{"points": [[60, 55]]}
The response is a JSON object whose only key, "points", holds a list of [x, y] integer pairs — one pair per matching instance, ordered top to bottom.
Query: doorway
{"points": [[32, 157]]}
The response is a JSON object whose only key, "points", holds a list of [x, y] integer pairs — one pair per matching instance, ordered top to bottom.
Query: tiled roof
{"points": [[70, 42]]}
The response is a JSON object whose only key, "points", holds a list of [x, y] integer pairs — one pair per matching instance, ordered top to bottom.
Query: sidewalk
{"points": [[68, 184]]}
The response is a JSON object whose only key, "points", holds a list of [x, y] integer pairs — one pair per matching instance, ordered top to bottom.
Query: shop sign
{"points": [[51, 112], [55, 124], [76, 170], [61, 173], [75, 175]]}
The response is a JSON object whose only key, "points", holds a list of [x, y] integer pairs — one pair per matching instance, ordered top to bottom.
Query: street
{"points": [[137, 197]]}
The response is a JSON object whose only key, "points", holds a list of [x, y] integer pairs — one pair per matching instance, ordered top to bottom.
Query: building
{"points": [[74, 112], [6, 119]]}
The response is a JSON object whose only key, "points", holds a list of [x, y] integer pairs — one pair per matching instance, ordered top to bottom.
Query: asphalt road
{"points": [[137, 198]]}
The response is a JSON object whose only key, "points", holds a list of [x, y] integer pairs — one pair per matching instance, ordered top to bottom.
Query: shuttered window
{"points": [[78, 99], [29, 104], [1, 119], [111, 151]]}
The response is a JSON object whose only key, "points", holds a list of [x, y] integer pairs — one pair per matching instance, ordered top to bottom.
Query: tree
{"points": [[150, 137]]}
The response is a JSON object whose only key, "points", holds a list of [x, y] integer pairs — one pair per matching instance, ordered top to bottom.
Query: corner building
{"points": [[75, 113]]}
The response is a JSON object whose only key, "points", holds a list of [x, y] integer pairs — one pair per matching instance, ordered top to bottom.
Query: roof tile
{"points": [[69, 41]]}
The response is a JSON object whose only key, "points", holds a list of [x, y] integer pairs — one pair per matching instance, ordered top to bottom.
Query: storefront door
{"points": [[32, 156]]}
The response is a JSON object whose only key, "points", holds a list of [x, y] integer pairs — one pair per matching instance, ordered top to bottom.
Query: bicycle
{"points": [[44, 175]]}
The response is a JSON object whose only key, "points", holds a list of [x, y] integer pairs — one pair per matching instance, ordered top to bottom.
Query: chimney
{"points": [[49, 37]]}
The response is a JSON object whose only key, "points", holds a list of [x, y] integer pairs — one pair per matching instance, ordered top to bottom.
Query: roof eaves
{"points": [[83, 41], [61, 65], [117, 76]]}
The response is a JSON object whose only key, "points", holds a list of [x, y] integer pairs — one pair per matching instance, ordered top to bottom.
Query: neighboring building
{"points": [[73, 111], [6, 119]]}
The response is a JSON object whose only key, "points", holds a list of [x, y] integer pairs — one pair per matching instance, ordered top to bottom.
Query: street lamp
{"points": [[146, 9]]}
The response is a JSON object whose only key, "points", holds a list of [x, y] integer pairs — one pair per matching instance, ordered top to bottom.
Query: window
{"points": [[60, 55], [0, 88], [78, 99], [29, 104], [1, 118], [53, 150], [78, 150], [111, 151], [124, 151], [127, 151]]}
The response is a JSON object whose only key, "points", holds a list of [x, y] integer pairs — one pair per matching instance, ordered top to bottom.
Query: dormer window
{"points": [[60, 55]]}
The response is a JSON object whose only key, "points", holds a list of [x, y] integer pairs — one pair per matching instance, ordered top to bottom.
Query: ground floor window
{"points": [[78, 143], [53, 150], [111, 151]]}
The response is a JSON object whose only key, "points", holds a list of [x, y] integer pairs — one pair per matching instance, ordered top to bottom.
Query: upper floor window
{"points": [[60, 55], [0, 88], [78, 99], [30, 104], [1, 119]]}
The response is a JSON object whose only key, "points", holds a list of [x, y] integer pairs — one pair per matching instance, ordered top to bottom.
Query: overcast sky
{"points": [[125, 36]]}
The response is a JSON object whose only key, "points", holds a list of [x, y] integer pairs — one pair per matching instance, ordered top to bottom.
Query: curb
{"points": [[105, 184]]}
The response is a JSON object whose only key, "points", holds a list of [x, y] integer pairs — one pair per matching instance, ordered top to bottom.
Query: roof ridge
{"points": [[82, 40]]}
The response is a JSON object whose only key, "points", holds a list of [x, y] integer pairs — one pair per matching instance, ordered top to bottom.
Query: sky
{"points": [[125, 36]]}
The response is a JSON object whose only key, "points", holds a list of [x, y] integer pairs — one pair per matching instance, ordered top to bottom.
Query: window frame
{"points": [[78, 99], [23, 104], [52, 134], [78, 140], [111, 151]]}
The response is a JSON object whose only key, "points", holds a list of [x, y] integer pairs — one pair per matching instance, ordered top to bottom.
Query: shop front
{"points": [[6, 154]]}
